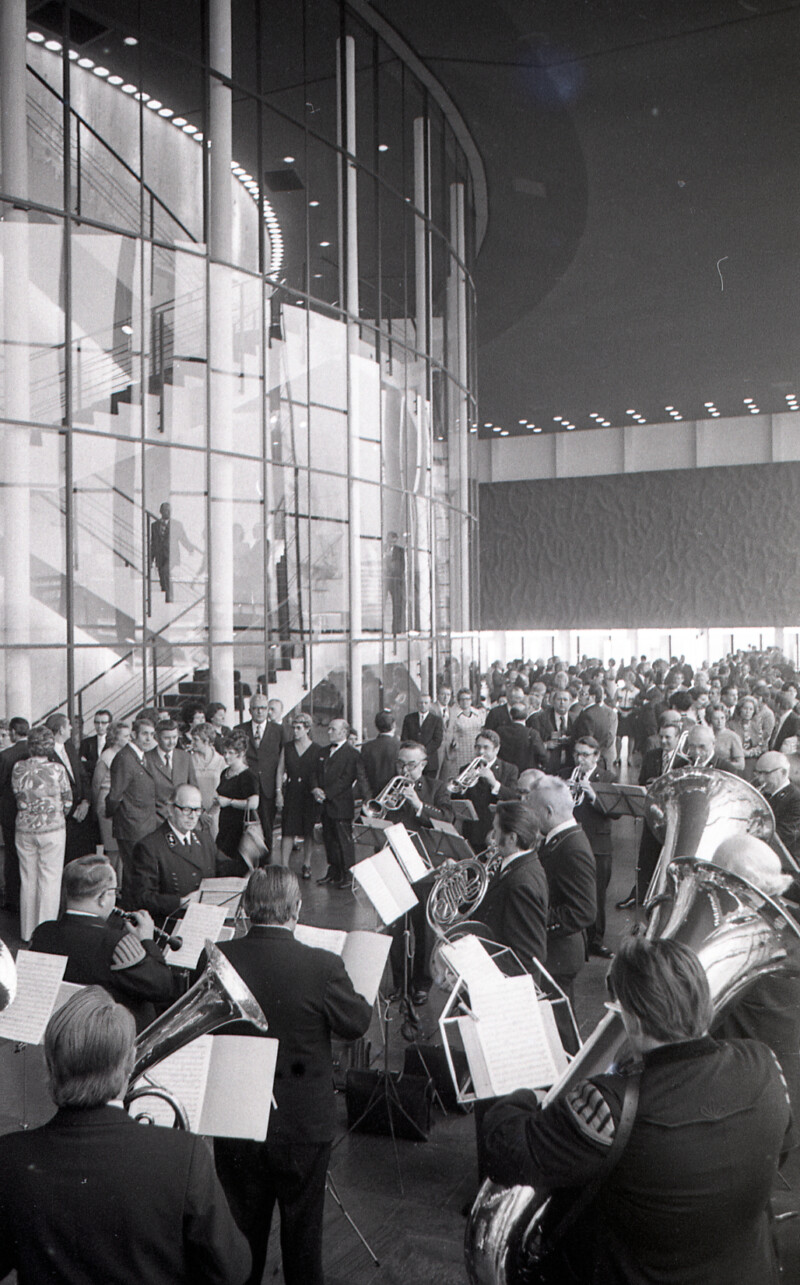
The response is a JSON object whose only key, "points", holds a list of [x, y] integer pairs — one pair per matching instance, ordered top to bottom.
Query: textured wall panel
{"points": [[714, 546]]}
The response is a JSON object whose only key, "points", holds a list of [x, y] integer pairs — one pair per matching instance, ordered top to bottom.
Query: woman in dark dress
{"points": [[237, 791], [300, 811]]}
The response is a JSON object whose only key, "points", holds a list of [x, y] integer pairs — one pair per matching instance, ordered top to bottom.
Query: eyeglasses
{"points": [[179, 808]]}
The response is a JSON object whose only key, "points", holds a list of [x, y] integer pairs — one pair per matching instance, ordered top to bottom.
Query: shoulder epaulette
{"points": [[128, 952], [592, 1114]]}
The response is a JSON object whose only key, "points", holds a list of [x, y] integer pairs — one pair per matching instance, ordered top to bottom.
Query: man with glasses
{"points": [[264, 744], [772, 779], [594, 816], [170, 863], [119, 956]]}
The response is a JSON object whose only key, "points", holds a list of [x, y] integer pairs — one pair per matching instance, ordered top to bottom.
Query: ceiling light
{"points": [[36, 37], [130, 40], [53, 45], [73, 56], [86, 62], [101, 71], [112, 80], [142, 97], [154, 104], [166, 112], [180, 121], [190, 129], [383, 147], [288, 160], [313, 204], [324, 244], [126, 330], [790, 397], [748, 401], [709, 405], [669, 408], [630, 412], [715, 414], [677, 417], [557, 419], [605, 423], [487, 426], [569, 427], [537, 430], [504, 432]]}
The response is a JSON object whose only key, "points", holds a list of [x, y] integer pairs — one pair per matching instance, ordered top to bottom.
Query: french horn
{"points": [[738, 933], [219, 996]]}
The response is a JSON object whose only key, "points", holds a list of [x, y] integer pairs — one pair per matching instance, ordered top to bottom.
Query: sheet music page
{"points": [[402, 845], [385, 884], [223, 892], [199, 922], [324, 938], [364, 956], [469, 959], [38, 979], [512, 1035], [552, 1036], [479, 1072], [185, 1074], [238, 1093]]}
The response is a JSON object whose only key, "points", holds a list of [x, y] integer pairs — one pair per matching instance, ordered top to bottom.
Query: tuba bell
{"points": [[738, 933], [219, 996]]}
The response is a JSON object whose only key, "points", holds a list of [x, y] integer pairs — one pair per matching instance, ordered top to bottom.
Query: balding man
{"points": [[555, 731], [701, 750], [336, 777], [771, 777], [170, 863], [569, 865]]}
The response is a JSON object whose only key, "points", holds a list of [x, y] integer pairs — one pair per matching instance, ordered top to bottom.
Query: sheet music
{"points": [[412, 864], [385, 884], [223, 892], [199, 923], [323, 938], [364, 956], [469, 959], [38, 979], [512, 1037], [478, 1070], [185, 1074], [238, 1092]]}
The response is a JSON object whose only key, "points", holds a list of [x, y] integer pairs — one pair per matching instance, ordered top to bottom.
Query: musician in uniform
{"points": [[655, 763], [772, 779], [494, 782], [425, 800], [594, 816], [170, 864], [514, 907], [119, 956], [306, 996], [94, 1196], [687, 1199]]}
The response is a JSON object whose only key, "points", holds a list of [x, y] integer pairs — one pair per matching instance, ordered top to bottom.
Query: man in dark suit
{"points": [[499, 715], [598, 721], [787, 722], [425, 728], [556, 733], [519, 744], [264, 745], [92, 746], [18, 749], [701, 750], [380, 754], [655, 763], [169, 766], [336, 774], [771, 777], [496, 781], [131, 801], [426, 801], [594, 816], [82, 833], [568, 863], [170, 864], [514, 908], [100, 949], [306, 997], [93, 1196], [688, 1199]]}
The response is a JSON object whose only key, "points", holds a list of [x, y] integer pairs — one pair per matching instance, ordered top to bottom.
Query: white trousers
{"points": [[41, 862]]}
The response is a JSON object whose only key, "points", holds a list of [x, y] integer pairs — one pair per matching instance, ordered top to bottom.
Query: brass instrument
{"points": [[679, 748], [468, 777], [576, 783], [391, 799], [458, 891], [738, 933], [218, 997]]}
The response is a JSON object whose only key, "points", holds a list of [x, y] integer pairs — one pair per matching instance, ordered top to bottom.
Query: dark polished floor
{"points": [[406, 1197]]}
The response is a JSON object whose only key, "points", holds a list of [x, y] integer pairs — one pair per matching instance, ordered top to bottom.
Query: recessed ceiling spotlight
{"points": [[36, 37], [130, 40], [53, 45], [73, 56], [86, 62], [101, 71], [112, 80], [125, 89], [142, 97], [153, 104], [166, 112], [180, 121], [190, 129], [383, 147], [288, 160], [313, 204], [324, 244], [126, 330], [790, 397], [748, 401], [669, 408], [630, 412], [715, 414], [677, 417], [558, 419], [522, 421], [605, 423], [488, 426], [569, 427], [537, 430], [504, 432]]}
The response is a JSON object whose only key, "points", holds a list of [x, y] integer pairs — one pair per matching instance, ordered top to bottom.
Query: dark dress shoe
{"points": [[305, 873], [329, 878], [344, 884], [628, 902], [602, 952], [419, 997]]}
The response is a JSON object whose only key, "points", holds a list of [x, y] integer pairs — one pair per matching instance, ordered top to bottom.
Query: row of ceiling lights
{"points": [[180, 122], [675, 415]]}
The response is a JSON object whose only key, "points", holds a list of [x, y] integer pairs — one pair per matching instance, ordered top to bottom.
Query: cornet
{"points": [[466, 779], [576, 783], [391, 799]]}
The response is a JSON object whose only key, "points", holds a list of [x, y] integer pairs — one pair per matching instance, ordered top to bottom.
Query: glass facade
{"points": [[237, 372]]}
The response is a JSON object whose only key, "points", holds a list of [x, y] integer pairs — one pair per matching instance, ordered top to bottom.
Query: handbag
{"points": [[252, 845], [544, 1265]]}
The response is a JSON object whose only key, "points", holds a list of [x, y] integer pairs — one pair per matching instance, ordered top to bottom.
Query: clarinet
{"points": [[160, 936]]}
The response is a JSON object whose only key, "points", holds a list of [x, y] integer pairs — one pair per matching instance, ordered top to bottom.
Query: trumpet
{"points": [[468, 777], [576, 784], [391, 799]]}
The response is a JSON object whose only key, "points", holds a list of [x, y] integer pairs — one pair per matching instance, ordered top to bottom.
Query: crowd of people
{"points": [[139, 813]]}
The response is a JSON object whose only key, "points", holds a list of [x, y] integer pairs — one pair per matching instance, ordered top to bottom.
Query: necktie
{"points": [[169, 764]]}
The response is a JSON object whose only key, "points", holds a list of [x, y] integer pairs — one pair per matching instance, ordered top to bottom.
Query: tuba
{"points": [[738, 933], [219, 996]]}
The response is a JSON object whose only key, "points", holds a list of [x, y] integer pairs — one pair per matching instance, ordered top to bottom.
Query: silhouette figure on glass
{"points": [[166, 538]]}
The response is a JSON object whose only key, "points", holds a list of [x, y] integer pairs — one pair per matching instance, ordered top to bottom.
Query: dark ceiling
{"points": [[642, 165]]}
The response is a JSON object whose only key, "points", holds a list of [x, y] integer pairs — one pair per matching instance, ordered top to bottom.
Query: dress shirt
{"points": [[558, 829]]}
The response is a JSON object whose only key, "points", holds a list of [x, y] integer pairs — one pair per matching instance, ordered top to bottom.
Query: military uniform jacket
{"points": [[595, 818], [568, 863], [166, 870], [102, 954], [687, 1201]]}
